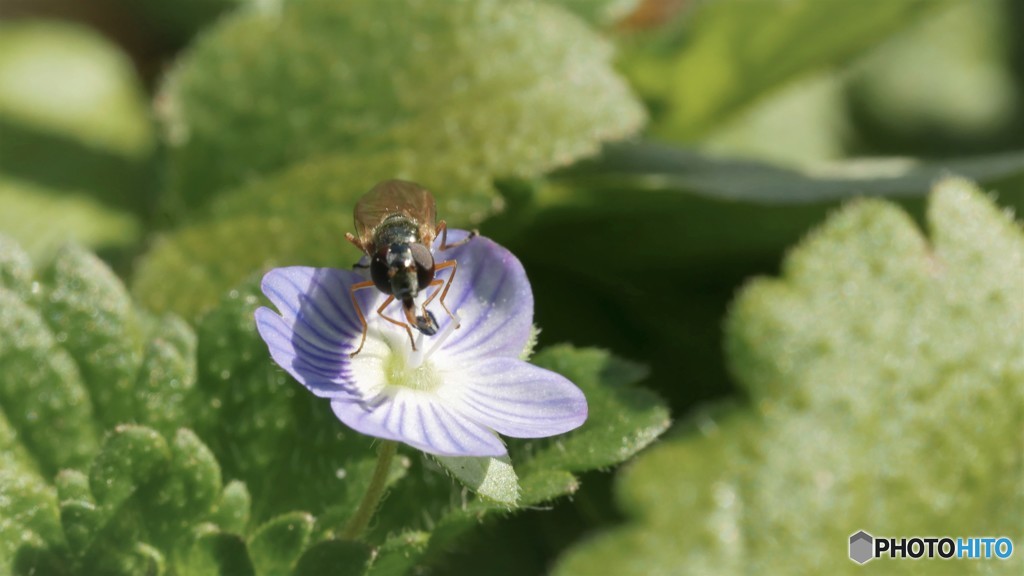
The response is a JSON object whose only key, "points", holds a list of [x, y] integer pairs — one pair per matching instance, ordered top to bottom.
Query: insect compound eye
{"points": [[424, 264], [379, 274]]}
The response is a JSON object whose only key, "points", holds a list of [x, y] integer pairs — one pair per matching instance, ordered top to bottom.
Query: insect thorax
{"points": [[395, 229]]}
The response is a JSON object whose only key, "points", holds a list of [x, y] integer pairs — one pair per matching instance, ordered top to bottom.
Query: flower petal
{"points": [[490, 294], [317, 328], [514, 397], [420, 420]]}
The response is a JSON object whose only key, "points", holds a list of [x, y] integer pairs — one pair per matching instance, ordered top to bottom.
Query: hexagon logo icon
{"points": [[861, 547]]}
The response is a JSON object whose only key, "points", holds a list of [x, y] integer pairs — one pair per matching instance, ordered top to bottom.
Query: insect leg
{"points": [[442, 228], [355, 241], [434, 282], [444, 292], [359, 311], [396, 322]]}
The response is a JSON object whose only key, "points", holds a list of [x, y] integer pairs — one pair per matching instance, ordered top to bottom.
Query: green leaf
{"points": [[599, 11], [729, 53], [68, 80], [500, 88], [962, 96], [75, 121], [701, 210], [42, 219], [714, 221], [15, 268], [91, 315], [71, 349], [916, 366], [164, 387], [41, 392], [244, 405], [623, 418], [13, 455], [131, 456], [356, 476], [491, 478], [544, 485], [184, 495], [142, 507], [232, 512], [28, 515], [79, 516], [276, 545], [214, 553], [399, 554], [335, 557]]}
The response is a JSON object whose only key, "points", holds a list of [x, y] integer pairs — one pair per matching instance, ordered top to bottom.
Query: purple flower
{"points": [[458, 390]]}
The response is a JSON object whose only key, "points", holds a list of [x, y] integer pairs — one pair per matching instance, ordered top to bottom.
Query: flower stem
{"points": [[374, 492]]}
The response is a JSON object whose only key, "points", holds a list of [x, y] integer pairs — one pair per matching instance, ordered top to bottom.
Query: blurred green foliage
{"points": [[77, 138], [885, 393], [148, 431]]}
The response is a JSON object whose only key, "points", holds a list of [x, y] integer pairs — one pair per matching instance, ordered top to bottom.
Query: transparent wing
{"points": [[395, 197]]}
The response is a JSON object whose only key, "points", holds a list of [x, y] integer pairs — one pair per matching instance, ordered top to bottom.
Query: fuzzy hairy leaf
{"points": [[505, 88], [78, 358], [886, 382], [491, 478], [276, 545]]}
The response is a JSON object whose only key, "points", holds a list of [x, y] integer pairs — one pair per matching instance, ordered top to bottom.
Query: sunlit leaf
{"points": [[497, 88], [884, 378]]}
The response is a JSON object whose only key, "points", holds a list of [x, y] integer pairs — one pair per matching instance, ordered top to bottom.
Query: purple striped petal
{"points": [[490, 294], [317, 327], [514, 398], [421, 420]]}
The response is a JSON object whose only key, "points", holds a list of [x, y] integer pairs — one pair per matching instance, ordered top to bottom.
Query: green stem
{"points": [[374, 492]]}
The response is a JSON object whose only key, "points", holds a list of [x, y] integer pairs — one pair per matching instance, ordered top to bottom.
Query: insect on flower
{"points": [[396, 222], [452, 397]]}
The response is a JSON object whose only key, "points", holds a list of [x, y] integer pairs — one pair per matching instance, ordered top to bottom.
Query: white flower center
{"points": [[388, 364], [398, 372]]}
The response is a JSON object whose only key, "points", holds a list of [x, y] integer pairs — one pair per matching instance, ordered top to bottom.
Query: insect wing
{"points": [[395, 197]]}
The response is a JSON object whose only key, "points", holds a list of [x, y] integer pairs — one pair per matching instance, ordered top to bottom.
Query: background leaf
{"points": [[599, 11], [722, 56], [443, 93], [77, 135], [42, 219], [713, 221], [78, 358], [846, 394], [275, 546], [339, 557]]}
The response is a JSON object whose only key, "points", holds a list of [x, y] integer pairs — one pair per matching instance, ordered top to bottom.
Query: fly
{"points": [[396, 223]]}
